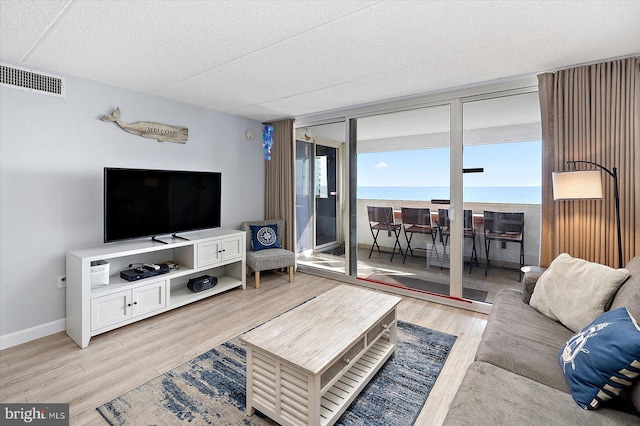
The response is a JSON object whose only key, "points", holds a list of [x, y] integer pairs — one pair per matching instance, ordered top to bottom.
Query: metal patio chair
{"points": [[381, 219]]}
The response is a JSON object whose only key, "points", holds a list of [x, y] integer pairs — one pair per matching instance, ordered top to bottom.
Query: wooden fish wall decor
{"points": [[148, 129]]}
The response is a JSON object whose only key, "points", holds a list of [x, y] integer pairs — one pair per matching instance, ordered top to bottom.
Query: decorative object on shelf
{"points": [[151, 130], [249, 134], [267, 139], [587, 185]]}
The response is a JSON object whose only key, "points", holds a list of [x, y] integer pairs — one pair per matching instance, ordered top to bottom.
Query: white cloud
{"points": [[381, 165]]}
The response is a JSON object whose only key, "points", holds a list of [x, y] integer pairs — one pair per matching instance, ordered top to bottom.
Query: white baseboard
{"points": [[23, 336]]}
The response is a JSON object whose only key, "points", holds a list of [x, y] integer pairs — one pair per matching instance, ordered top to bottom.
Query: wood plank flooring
{"points": [[54, 369]]}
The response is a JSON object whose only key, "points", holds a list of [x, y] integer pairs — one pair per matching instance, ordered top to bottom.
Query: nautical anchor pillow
{"points": [[264, 237], [602, 359]]}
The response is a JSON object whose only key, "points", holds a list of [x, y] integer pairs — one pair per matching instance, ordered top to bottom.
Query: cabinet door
{"points": [[232, 248], [209, 253], [149, 298], [110, 309]]}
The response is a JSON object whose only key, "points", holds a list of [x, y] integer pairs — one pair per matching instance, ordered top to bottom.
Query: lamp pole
{"points": [[614, 175]]}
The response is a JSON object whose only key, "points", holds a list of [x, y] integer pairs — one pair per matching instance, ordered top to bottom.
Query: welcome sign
{"points": [[151, 130]]}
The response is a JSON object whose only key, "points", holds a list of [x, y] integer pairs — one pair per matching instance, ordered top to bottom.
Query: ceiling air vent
{"points": [[31, 81]]}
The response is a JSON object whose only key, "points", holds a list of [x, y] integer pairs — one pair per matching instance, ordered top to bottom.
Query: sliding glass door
{"points": [[502, 145], [403, 174], [423, 181], [320, 196], [326, 196]]}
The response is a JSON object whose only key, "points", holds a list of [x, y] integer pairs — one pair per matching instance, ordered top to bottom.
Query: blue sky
{"points": [[508, 164]]}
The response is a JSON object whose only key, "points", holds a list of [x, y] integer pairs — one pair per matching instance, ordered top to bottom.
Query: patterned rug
{"points": [[210, 389]]}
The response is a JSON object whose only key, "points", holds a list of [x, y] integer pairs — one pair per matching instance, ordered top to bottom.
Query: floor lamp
{"points": [[584, 185]]}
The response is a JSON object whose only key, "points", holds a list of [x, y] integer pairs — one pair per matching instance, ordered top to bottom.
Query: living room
{"points": [[54, 149]]}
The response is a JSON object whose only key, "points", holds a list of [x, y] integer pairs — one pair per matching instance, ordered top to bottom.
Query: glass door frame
{"points": [[455, 100], [341, 186], [340, 238]]}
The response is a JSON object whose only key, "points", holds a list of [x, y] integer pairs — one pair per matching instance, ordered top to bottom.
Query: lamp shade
{"points": [[577, 185]]}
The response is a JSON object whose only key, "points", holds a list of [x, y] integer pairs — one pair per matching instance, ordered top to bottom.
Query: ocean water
{"points": [[472, 194]]}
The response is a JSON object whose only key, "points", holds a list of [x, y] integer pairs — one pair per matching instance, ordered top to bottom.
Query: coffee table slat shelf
{"points": [[302, 369], [337, 399]]}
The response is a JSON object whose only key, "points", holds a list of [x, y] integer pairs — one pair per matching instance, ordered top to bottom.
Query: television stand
{"points": [[180, 237], [91, 311]]}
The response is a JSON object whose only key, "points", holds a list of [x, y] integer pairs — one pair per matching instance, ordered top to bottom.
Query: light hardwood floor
{"points": [[54, 369]]}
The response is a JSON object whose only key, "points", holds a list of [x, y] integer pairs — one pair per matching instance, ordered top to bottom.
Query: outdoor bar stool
{"points": [[381, 219], [417, 221], [504, 227], [443, 232], [469, 232]]}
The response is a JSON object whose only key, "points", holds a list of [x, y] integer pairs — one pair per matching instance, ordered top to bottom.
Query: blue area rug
{"points": [[210, 389]]}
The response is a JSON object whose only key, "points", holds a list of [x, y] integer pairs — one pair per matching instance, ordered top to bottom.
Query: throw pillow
{"points": [[264, 237], [575, 291], [602, 359]]}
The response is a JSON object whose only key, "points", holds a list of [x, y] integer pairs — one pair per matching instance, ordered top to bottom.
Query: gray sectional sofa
{"points": [[516, 378]]}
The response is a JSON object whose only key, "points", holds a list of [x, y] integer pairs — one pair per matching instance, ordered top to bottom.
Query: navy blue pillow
{"points": [[264, 237], [602, 359]]}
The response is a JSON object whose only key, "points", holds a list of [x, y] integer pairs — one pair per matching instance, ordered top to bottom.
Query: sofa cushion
{"points": [[529, 281], [575, 291], [629, 293], [629, 296], [520, 339], [603, 359], [634, 395], [493, 396]]}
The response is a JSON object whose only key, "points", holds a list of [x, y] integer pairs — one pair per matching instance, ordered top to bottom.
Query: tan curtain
{"points": [[592, 113], [279, 180]]}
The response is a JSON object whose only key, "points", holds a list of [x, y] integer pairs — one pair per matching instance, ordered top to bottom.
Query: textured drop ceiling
{"points": [[273, 59]]}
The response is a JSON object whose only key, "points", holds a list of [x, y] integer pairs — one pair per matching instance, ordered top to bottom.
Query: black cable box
{"points": [[142, 272]]}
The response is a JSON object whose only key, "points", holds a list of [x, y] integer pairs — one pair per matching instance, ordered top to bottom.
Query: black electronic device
{"points": [[147, 203], [142, 272], [202, 283]]}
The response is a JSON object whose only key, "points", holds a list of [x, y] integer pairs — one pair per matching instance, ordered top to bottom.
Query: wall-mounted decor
{"points": [[148, 129], [267, 140]]}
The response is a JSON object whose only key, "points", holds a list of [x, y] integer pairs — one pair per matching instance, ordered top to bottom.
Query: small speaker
{"points": [[202, 283]]}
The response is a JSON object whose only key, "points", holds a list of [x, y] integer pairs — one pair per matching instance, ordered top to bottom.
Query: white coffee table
{"points": [[307, 365]]}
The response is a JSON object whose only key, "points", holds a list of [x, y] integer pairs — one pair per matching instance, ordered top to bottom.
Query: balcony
{"points": [[428, 271]]}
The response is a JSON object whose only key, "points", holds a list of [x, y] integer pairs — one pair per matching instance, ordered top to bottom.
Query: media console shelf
{"points": [[92, 311]]}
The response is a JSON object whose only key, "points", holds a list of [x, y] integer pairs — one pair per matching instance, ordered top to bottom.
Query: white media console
{"points": [[92, 311]]}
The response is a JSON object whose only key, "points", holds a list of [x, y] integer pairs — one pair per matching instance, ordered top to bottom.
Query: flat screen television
{"points": [[146, 203]]}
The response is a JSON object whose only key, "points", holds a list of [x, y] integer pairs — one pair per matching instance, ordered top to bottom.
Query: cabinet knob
{"points": [[135, 303], [128, 304], [346, 360]]}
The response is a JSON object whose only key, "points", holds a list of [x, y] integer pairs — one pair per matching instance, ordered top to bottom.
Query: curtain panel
{"points": [[592, 113], [279, 190]]}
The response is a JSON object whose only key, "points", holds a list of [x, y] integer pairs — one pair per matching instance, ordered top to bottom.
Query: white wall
{"points": [[52, 154]]}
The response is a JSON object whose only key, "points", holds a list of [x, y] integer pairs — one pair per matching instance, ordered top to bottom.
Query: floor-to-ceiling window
{"points": [[502, 137], [502, 152], [412, 158], [403, 169], [320, 196]]}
